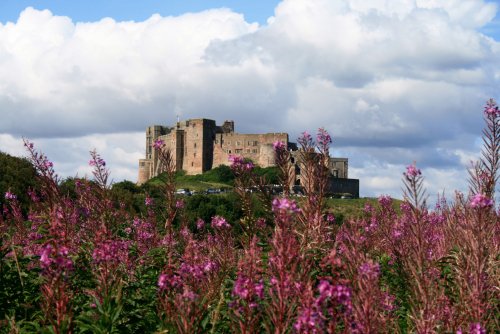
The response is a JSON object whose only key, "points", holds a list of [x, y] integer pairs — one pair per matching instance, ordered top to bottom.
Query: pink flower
{"points": [[491, 108], [323, 138], [305, 140], [28, 144], [158, 144], [278, 145], [96, 161], [239, 164], [412, 171], [10, 196], [385, 200], [148, 201], [481, 201], [179, 204], [285, 204], [219, 222], [200, 223], [260, 223], [111, 251], [45, 259], [369, 269], [167, 282], [189, 295], [476, 328]]}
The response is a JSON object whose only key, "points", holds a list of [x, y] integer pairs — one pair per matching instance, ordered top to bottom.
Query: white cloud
{"points": [[392, 82], [70, 156]]}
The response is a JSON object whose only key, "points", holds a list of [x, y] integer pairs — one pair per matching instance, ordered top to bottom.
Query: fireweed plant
{"points": [[83, 263]]}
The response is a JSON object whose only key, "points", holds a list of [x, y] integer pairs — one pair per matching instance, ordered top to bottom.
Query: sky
{"points": [[393, 82]]}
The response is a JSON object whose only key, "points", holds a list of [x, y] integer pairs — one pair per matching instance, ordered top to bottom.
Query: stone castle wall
{"points": [[198, 145], [257, 147]]}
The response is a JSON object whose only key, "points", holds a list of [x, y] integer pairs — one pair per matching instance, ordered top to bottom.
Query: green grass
{"points": [[200, 185], [352, 208]]}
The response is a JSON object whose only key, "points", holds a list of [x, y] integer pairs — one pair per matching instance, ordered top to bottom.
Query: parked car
{"points": [[184, 192]]}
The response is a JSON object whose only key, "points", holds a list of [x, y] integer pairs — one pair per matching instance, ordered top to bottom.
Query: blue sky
{"points": [[122, 10], [392, 81]]}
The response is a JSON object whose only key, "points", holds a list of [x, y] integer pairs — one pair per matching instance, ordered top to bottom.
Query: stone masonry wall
{"points": [[198, 145], [257, 147]]}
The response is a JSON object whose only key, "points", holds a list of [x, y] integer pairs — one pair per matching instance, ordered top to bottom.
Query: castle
{"points": [[198, 145]]}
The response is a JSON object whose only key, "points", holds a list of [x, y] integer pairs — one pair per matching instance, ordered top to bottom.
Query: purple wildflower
{"points": [[491, 108], [323, 138], [305, 140], [158, 144], [279, 145], [239, 164], [412, 171], [10, 196], [385, 200], [148, 201], [481, 201], [179, 204], [285, 204], [219, 222], [200, 223], [260, 223], [111, 251], [45, 259], [59, 259], [370, 270], [167, 282], [189, 295], [309, 321], [476, 328]]}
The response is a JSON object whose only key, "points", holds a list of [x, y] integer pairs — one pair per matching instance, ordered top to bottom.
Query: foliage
{"points": [[17, 175], [90, 257]]}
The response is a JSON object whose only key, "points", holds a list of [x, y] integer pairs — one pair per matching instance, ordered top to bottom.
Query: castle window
{"points": [[238, 143], [255, 143], [194, 145], [238, 150], [248, 150], [255, 150], [229, 151], [194, 154], [192, 164]]}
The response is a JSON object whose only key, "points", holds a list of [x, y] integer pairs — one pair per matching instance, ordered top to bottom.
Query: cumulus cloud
{"points": [[392, 83]]}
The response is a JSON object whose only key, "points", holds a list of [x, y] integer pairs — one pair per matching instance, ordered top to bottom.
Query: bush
{"points": [[79, 262]]}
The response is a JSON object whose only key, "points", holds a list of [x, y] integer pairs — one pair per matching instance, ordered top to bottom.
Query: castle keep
{"points": [[198, 145]]}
